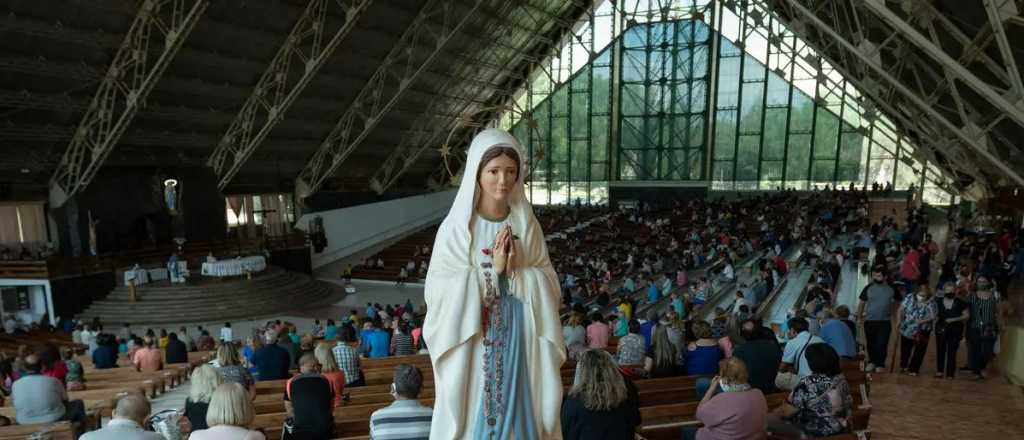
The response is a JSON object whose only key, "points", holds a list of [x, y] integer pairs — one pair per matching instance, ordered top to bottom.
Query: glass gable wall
{"points": [[699, 90]]}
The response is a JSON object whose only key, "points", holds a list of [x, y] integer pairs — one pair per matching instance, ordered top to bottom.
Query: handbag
{"points": [[940, 327], [989, 331], [921, 337], [166, 423]]}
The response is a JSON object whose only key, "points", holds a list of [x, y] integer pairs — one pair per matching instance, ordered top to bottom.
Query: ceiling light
{"points": [[25, 171]]}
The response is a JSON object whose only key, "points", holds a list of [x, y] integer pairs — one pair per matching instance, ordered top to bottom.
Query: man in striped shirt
{"points": [[406, 418]]}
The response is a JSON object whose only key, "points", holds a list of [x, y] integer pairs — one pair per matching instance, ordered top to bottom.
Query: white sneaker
{"points": [[869, 368]]}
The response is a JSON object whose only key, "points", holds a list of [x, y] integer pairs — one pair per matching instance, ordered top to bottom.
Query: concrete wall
{"points": [[350, 230]]}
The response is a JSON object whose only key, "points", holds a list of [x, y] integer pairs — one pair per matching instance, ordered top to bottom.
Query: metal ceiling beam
{"points": [[997, 13], [399, 69], [282, 83], [124, 90], [1011, 109], [968, 139], [412, 145], [411, 148]]}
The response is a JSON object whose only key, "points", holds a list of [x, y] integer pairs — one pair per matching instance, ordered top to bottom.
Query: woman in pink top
{"points": [[598, 332], [731, 409]]}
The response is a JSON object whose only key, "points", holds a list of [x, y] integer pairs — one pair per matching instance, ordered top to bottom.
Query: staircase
{"points": [[272, 293]]}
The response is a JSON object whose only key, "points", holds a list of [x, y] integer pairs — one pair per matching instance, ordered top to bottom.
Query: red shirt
{"points": [[911, 264], [59, 371], [337, 380]]}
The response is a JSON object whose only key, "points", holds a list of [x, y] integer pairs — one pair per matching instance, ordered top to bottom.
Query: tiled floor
{"points": [[911, 408]]}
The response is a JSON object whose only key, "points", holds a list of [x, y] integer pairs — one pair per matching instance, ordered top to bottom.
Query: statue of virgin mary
{"points": [[492, 307]]}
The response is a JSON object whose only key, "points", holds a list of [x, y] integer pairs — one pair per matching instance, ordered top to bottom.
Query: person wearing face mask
{"points": [[875, 310], [917, 313], [982, 327], [949, 330], [730, 409]]}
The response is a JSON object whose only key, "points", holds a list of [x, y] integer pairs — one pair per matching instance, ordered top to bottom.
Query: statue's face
{"points": [[497, 177]]}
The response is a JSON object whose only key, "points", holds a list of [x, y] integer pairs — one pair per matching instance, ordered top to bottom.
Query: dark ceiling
{"points": [[54, 54]]}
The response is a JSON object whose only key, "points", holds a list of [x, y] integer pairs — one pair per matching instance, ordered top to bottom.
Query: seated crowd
{"points": [[636, 313]]}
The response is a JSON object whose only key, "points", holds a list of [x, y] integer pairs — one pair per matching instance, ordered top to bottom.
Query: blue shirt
{"points": [[629, 285], [652, 293], [677, 305], [647, 331], [330, 332], [838, 335], [364, 339], [377, 344], [104, 357], [703, 360], [272, 362]]}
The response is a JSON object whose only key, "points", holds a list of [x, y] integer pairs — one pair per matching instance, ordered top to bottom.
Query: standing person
{"points": [[489, 238], [875, 309], [953, 313], [917, 314], [983, 326], [226, 334], [183, 336], [88, 337], [347, 358], [203, 382], [308, 400], [601, 403], [738, 411], [229, 416], [405, 418], [126, 421]]}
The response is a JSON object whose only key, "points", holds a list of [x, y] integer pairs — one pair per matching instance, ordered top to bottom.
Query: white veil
{"points": [[454, 297]]}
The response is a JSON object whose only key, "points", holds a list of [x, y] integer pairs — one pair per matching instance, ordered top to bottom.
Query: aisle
{"points": [[922, 407]]}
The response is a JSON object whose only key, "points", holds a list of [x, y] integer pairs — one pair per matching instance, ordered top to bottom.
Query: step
{"points": [[206, 291], [143, 306], [227, 313]]}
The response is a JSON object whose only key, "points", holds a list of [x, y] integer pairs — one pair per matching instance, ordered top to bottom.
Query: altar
{"points": [[235, 266]]}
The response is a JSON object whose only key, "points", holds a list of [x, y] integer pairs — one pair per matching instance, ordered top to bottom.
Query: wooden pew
{"points": [[94, 411], [57, 431]]}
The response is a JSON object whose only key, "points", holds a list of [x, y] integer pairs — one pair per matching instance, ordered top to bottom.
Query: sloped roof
{"points": [[54, 54], [951, 73]]}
